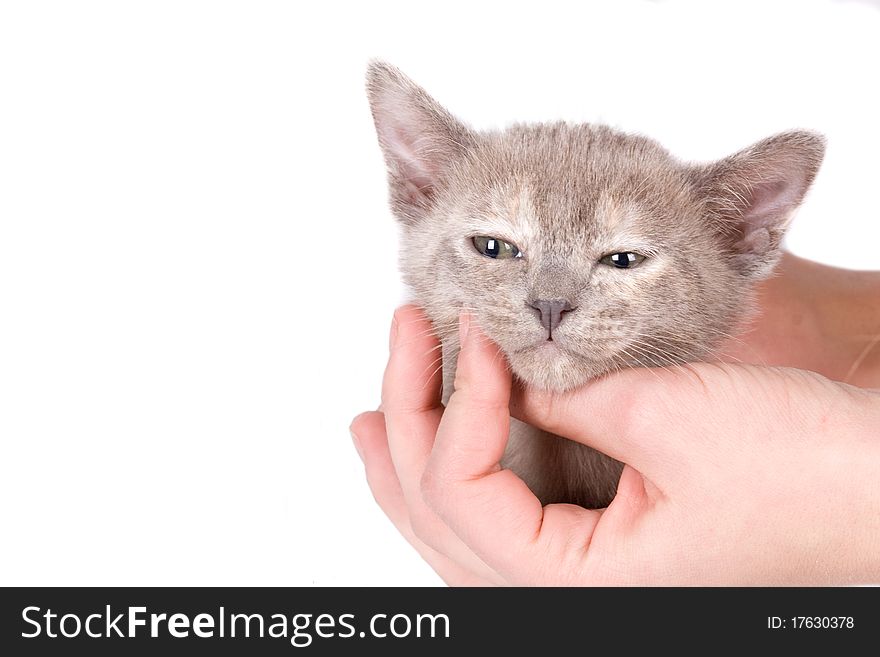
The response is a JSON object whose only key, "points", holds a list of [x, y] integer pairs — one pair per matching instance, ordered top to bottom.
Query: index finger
{"points": [[490, 508]]}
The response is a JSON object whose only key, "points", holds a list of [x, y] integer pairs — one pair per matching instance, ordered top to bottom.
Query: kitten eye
{"points": [[494, 248], [623, 260]]}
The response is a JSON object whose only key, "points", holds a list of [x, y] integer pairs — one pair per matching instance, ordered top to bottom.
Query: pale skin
{"points": [[737, 474]]}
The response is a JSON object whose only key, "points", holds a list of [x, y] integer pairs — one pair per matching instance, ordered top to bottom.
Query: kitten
{"points": [[579, 250]]}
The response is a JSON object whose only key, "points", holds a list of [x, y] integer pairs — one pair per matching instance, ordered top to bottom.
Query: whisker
{"points": [[861, 357]]}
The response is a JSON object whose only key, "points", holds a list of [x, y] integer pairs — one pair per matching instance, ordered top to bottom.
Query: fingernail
{"points": [[464, 325], [392, 337], [357, 444]]}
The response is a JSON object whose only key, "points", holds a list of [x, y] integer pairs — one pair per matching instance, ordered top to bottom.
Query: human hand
{"points": [[813, 317], [736, 474]]}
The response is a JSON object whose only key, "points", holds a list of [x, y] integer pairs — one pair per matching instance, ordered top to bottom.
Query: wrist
{"points": [[860, 499]]}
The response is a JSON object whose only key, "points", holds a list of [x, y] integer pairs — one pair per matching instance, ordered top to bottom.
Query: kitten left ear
{"points": [[421, 141], [754, 193]]}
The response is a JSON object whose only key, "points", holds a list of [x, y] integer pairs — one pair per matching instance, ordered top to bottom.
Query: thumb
{"points": [[634, 416]]}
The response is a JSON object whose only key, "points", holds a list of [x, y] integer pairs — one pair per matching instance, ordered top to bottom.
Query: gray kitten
{"points": [[579, 250]]}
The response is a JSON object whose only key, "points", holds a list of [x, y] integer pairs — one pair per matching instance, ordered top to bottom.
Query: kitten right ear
{"points": [[421, 140], [754, 193]]}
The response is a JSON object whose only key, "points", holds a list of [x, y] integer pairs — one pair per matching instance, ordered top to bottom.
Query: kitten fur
{"points": [[566, 195]]}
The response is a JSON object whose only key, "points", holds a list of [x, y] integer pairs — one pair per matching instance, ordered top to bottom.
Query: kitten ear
{"points": [[421, 140], [753, 195]]}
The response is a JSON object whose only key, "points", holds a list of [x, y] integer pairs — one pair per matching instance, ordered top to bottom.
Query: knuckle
{"points": [[640, 407], [547, 408], [638, 419], [431, 487], [423, 527]]}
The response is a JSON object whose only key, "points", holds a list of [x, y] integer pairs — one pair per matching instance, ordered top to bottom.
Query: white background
{"points": [[197, 263]]}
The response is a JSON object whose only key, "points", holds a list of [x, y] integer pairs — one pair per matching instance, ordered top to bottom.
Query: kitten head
{"points": [[577, 248]]}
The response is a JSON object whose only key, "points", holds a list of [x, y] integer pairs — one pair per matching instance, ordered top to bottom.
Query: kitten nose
{"points": [[551, 312]]}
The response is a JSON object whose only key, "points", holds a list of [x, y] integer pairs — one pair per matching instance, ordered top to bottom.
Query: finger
{"points": [[414, 358], [411, 395], [412, 407], [627, 415], [368, 432], [490, 508]]}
